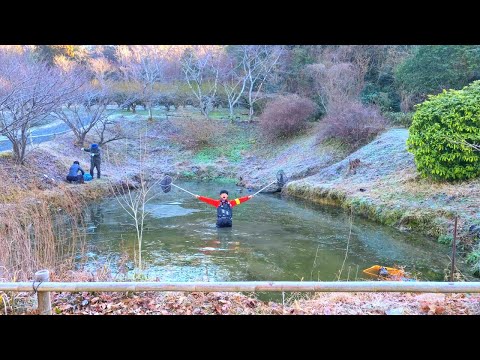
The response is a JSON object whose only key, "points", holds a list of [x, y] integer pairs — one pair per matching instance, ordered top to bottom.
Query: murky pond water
{"points": [[273, 238]]}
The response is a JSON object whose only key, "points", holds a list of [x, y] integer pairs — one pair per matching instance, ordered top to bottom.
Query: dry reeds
{"points": [[40, 234]]}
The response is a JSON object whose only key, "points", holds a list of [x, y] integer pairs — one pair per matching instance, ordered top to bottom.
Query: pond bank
{"points": [[379, 181]]}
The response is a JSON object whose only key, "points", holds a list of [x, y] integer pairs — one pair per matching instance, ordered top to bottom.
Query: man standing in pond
{"points": [[95, 159], [224, 207]]}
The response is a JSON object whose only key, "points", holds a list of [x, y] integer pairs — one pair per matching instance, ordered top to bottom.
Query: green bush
{"points": [[385, 98], [441, 126], [445, 239], [473, 258]]}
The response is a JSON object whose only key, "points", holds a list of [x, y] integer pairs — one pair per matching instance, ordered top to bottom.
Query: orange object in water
{"points": [[384, 272]]}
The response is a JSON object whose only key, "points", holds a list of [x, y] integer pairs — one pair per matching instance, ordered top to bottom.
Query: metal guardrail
{"points": [[43, 287]]}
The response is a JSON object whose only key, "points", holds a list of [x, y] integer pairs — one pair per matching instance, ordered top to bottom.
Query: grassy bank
{"points": [[385, 187]]}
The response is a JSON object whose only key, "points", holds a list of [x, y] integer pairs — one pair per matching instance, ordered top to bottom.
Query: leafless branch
{"points": [[258, 63], [200, 66], [32, 91]]}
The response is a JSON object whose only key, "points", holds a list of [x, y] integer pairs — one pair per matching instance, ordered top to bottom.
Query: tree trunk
{"points": [[250, 104], [230, 107], [203, 109], [250, 113], [150, 115], [81, 139], [22, 148], [16, 151], [139, 238]]}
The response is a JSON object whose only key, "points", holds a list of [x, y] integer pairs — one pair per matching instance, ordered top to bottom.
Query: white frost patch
{"points": [[167, 210]]}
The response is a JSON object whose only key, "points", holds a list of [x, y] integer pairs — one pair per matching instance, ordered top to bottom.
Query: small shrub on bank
{"points": [[286, 115], [400, 118], [352, 123], [441, 130], [196, 134], [445, 239], [473, 259]]}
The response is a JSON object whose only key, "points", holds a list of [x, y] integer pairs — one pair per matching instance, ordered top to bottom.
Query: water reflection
{"points": [[272, 238], [224, 241]]}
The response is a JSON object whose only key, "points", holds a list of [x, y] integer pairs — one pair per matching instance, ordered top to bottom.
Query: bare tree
{"points": [[65, 64], [258, 64], [146, 65], [100, 67], [200, 67], [338, 78], [234, 80], [10, 85], [34, 91], [126, 95], [87, 108], [109, 130], [134, 194]]}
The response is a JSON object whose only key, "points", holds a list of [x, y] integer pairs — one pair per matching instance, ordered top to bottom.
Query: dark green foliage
{"points": [[109, 52], [47, 53], [298, 56], [433, 68], [380, 87], [386, 98], [441, 126], [445, 239], [473, 258]]}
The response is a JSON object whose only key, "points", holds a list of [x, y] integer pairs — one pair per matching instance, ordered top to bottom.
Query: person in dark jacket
{"points": [[95, 159], [73, 173], [224, 207]]}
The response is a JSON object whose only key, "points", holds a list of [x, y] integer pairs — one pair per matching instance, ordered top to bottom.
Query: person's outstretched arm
{"points": [[85, 149], [83, 172], [207, 200], [238, 201]]}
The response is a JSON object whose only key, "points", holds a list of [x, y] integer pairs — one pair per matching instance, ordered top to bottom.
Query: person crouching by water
{"points": [[95, 159], [73, 175], [224, 207]]}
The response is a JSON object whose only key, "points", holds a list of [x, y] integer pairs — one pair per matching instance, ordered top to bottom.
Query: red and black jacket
{"points": [[216, 202], [224, 208]]}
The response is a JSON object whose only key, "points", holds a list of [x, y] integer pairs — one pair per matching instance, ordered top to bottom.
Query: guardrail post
{"points": [[44, 303]]}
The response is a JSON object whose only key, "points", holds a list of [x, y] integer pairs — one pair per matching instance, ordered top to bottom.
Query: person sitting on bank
{"points": [[95, 159], [73, 175], [224, 207]]}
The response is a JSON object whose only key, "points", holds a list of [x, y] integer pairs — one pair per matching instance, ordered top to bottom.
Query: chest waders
{"points": [[95, 163], [224, 215]]}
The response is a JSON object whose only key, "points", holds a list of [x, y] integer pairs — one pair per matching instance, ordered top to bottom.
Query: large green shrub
{"points": [[441, 126]]}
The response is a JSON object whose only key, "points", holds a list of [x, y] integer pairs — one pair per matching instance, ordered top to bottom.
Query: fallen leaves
{"points": [[178, 303]]}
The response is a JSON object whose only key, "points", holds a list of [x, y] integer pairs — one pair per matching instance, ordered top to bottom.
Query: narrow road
{"points": [[48, 131], [39, 134]]}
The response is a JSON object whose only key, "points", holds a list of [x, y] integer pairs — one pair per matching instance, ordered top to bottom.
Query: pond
{"points": [[272, 238]]}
